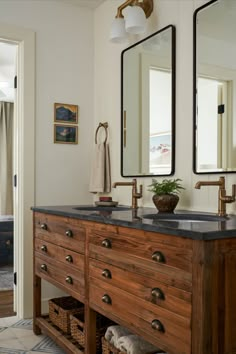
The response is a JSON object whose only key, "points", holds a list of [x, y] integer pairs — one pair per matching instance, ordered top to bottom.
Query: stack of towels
{"points": [[122, 339]]}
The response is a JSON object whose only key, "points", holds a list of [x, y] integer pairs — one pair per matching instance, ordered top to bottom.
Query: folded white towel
{"points": [[113, 333], [133, 344]]}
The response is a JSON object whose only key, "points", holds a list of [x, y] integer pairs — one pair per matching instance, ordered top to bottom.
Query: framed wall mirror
{"points": [[214, 88], [148, 106]]}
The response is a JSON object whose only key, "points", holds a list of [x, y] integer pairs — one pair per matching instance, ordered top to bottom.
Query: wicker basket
{"points": [[60, 310], [78, 331], [108, 348]]}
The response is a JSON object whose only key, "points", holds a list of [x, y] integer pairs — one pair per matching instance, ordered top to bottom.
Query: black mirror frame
{"points": [[195, 91], [173, 92]]}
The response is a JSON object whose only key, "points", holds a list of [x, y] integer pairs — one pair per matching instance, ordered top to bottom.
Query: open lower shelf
{"points": [[63, 340]]}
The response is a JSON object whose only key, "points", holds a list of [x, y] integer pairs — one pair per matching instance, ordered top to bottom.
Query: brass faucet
{"points": [[135, 194], [222, 197]]}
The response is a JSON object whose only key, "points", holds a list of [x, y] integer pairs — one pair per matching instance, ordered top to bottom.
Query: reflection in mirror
{"points": [[215, 87], [148, 106]]}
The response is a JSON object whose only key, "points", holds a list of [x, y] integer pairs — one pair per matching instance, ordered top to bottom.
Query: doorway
{"points": [[8, 59], [23, 167]]}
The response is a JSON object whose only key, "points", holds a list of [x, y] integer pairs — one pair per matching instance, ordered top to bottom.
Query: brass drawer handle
{"points": [[44, 226], [69, 233], [106, 243], [44, 248], [158, 257], [69, 258], [44, 267], [106, 273], [69, 280], [158, 293], [106, 298], [158, 326]]}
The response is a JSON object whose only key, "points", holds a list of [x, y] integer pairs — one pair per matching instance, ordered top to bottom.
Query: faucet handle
{"points": [[233, 190], [140, 191]]}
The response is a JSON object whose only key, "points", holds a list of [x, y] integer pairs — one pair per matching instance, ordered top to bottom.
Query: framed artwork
{"points": [[65, 113], [65, 134], [160, 152]]}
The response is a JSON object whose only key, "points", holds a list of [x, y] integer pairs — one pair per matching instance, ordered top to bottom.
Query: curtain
{"points": [[6, 158]]}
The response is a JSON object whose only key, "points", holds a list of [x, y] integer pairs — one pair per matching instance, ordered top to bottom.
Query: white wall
{"points": [[64, 73], [107, 100]]}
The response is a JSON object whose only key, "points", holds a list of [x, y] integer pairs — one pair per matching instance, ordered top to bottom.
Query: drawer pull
{"points": [[44, 226], [69, 233], [106, 243], [44, 248], [158, 257], [69, 258], [44, 267], [106, 273], [69, 280], [158, 293], [106, 298], [158, 326]]}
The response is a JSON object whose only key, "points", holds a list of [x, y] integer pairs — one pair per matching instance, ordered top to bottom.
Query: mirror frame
{"points": [[195, 91], [173, 99]]}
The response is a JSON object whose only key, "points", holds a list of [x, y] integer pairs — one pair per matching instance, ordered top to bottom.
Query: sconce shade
{"points": [[135, 21], [118, 33]]}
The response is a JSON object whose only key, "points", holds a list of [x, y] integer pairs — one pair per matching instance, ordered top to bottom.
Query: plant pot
{"points": [[165, 203]]}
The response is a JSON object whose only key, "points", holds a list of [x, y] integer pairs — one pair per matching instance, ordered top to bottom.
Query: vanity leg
{"points": [[37, 303], [90, 336]]}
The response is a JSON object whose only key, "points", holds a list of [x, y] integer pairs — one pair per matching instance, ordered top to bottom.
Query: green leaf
{"points": [[171, 186]]}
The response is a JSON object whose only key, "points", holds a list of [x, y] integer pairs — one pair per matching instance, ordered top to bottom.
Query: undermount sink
{"points": [[102, 208], [184, 217]]}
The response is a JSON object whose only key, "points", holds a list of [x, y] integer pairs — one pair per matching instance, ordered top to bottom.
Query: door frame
{"points": [[24, 165]]}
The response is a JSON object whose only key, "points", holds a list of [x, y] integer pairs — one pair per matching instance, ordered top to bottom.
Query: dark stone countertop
{"points": [[198, 230]]}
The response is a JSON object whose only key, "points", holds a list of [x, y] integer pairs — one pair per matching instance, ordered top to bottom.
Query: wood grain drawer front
{"points": [[66, 232], [156, 248], [68, 257], [158, 271], [66, 276], [148, 289], [159, 326]]}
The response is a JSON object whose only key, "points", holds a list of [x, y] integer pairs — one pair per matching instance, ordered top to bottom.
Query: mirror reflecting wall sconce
{"points": [[134, 21]]}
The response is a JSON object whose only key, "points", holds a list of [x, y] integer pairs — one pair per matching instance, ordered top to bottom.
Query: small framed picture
{"points": [[65, 113], [65, 134]]}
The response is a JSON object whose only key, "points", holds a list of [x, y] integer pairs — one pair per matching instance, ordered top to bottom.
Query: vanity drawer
{"points": [[65, 232], [155, 248], [68, 257], [62, 274], [152, 290], [141, 317]]}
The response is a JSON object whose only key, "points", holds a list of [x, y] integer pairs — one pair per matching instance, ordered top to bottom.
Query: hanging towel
{"points": [[100, 178], [113, 333], [133, 344]]}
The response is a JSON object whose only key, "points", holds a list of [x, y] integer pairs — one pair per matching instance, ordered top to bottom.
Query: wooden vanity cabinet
{"points": [[176, 292]]}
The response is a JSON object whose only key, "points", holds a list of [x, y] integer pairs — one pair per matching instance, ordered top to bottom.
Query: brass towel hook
{"points": [[101, 125]]}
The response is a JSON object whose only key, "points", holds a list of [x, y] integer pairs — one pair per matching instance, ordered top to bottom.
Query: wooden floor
{"points": [[6, 303]]}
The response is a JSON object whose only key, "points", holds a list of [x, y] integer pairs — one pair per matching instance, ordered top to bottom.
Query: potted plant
{"points": [[166, 193]]}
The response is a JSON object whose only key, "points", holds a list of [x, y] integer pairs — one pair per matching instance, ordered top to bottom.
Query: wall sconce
{"points": [[134, 21]]}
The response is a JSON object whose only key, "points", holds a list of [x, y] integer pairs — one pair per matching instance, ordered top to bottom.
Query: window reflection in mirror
{"points": [[215, 87], [148, 106]]}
